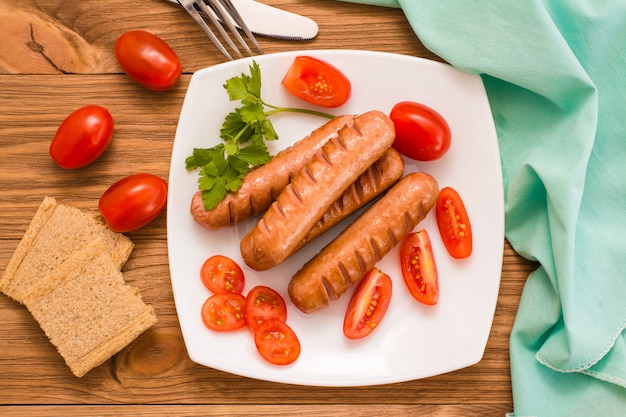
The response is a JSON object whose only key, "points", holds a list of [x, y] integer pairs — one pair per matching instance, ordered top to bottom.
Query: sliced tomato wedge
{"points": [[317, 82], [454, 223], [419, 269], [220, 274], [263, 303], [368, 304], [224, 312], [277, 342]]}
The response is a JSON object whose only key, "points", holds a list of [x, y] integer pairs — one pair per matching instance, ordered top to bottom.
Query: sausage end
{"points": [[308, 296]]}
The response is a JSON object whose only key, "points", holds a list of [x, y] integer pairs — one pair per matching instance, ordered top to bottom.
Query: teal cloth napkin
{"points": [[555, 75]]}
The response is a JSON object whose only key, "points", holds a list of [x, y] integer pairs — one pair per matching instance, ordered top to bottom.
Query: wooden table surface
{"points": [[56, 56]]}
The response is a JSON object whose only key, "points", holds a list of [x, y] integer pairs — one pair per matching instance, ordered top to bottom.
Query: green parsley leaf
{"points": [[234, 127], [255, 154], [201, 157], [212, 197]]}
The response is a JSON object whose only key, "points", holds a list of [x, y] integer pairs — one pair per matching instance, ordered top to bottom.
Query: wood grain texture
{"points": [[56, 56], [262, 410]]}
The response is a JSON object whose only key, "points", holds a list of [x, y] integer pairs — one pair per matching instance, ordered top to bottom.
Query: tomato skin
{"points": [[148, 60], [317, 82], [421, 133], [82, 137], [133, 202], [454, 223], [418, 266], [220, 274], [262, 304], [368, 304], [224, 312], [277, 342]]}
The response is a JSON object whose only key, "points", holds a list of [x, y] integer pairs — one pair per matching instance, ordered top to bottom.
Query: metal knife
{"points": [[265, 20]]}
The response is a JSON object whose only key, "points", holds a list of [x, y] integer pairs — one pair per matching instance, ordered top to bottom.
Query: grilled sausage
{"points": [[372, 183], [262, 185], [314, 189], [344, 261]]}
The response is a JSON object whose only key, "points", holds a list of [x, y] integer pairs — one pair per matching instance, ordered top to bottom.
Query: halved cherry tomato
{"points": [[148, 60], [317, 82], [421, 133], [82, 137], [133, 202], [454, 223], [418, 266], [220, 274], [263, 303], [368, 304], [224, 312], [277, 342]]}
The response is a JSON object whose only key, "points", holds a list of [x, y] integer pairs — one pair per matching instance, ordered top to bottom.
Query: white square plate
{"points": [[413, 341]]}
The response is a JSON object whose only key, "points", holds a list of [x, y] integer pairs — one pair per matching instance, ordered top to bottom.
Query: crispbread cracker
{"points": [[54, 234], [67, 271], [91, 314]]}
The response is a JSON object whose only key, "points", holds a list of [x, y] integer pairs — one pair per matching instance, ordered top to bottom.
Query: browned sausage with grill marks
{"points": [[372, 183], [262, 185], [314, 189], [344, 261]]}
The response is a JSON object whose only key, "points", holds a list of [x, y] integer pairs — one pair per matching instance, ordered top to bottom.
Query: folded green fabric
{"points": [[555, 75]]}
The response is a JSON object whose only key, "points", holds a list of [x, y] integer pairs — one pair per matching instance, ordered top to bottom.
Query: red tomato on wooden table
{"points": [[148, 60], [317, 82], [421, 133], [82, 137], [133, 202], [454, 223], [418, 266], [220, 274], [262, 304], [368, 304], [224, 312], [277, 342]]}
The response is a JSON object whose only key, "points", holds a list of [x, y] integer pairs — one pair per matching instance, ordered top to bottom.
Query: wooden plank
{"points": [[258, 410]]}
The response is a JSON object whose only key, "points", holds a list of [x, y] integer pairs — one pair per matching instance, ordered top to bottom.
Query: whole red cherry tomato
{"points": [[148, 60], [317, 82], [421, 133], [82, 137], [133, 202], [454, 223], [418, 266], [220, 274], [263, 303], [368, 304], [224, 312], [277, 342]]}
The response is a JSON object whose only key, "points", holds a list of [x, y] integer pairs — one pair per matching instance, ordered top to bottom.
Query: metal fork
{"points": [[220, 13]]}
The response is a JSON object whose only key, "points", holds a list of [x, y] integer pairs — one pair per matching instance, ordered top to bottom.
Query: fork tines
{"points": [[221, 13]]}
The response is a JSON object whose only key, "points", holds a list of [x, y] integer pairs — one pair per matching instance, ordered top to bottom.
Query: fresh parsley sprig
{"points": [[243, 133]]}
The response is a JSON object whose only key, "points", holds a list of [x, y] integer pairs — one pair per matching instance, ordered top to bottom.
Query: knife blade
{"points": [[268, 21]]}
